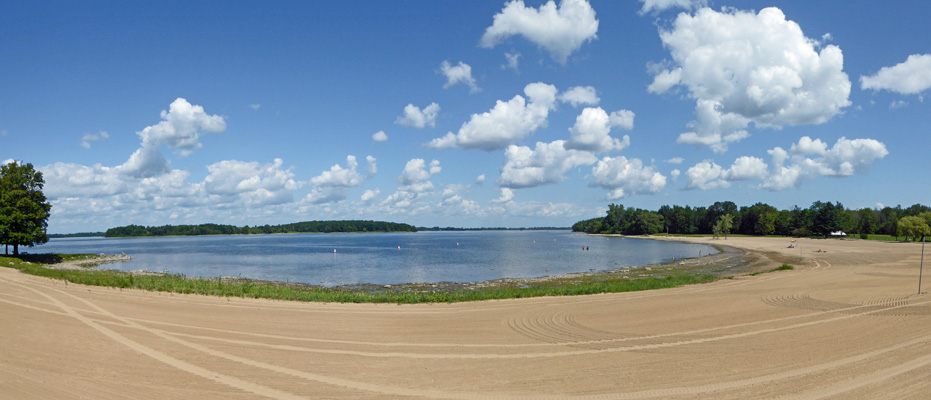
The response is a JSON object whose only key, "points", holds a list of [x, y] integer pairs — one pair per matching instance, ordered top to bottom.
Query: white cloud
{"points": [[661, 5], [560, 30], [513, 61], [742, 67], [460, 73], [912, 76], [580, 95], [255, 106], [414, 117], [623, 119], [504, 124], [181, 126], [592, 129], [380, 136], [93, 137], [675, 160], [806, 160], [145, 162], [547, 163], [372, 167], [416, 171], [675, 175], [708, 175], [624, 177], [63, 180], [480, 180], [252, 182], [415, 183], [334, 184], [368, 195], [506, 196]]}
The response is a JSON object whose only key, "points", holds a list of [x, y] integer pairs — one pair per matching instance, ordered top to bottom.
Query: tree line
{"points": [[820, 219], [298, 227]]}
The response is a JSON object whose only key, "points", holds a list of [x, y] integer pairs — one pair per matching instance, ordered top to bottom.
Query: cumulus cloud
{"points": [[662, 5], [560, 30], [513, 59], [742, 67], [460, 73], [911, 76], [580, 95], [414, 117], [504, 124], [181, 126], [592, 129], [380, 136], [93, 137], [809, 159], [675, 160], [805, 160], [145, 163], [547, 163], [416, 171], [708, 175], [624, 177], [480, 180], [415, 183], [260, 184], [334, 184], [369, 195], [506, 196]]}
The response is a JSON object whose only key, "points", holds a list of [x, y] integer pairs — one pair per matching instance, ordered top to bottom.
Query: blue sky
{"points": [[495, 113]]}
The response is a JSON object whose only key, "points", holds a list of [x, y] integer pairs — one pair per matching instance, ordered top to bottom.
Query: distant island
{"points": [[299, 227], [74, 235]]}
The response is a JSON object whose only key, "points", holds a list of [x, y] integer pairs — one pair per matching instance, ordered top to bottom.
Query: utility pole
{"points": [[922, 265]]}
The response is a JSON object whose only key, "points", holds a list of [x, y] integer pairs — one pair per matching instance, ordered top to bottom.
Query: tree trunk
{"points": [[15, 249]]}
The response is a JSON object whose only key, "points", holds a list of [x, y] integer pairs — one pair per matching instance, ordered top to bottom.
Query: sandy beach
{"points": [[847, 323]]}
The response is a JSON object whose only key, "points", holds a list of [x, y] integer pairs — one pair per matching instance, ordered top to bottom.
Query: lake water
{"points": [[381, 258]]}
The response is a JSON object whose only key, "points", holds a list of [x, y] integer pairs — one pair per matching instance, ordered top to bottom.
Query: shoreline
{"points": [[727, 263]]}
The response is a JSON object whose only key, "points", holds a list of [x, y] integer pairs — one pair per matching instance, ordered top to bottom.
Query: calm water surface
{"points": [[376, 258]]}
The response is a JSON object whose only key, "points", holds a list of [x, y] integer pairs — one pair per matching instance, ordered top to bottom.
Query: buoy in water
{"points": [[399, 248], [334, 250]]}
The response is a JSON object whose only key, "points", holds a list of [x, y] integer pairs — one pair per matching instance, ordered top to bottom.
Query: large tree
{"points": [[24, 210]]}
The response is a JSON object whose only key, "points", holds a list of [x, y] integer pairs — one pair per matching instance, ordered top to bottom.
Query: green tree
{"points": [[24, 210], [826, 217], [724, 225], [913, 226]]}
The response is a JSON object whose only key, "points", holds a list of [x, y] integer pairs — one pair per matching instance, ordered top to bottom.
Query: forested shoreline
{"points": [[820, 219], [299, 227]]}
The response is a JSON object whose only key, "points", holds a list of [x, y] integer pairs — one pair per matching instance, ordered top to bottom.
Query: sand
{"points": [[847, 323]]}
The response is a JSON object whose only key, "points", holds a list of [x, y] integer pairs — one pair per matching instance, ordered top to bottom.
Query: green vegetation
{"points": [[24, 210], [821, 219], [300, 227], [74, 235], [783, 267], [228, 287]]}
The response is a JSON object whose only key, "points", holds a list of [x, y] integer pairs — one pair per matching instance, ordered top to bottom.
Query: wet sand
{"points": [[847, 323]]}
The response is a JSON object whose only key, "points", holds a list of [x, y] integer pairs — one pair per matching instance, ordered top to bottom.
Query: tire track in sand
{"points": [[162, 357]]}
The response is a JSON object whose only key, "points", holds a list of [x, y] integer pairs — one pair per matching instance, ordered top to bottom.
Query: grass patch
{"points": [[882, 238], [783, 267], [227, 287]]}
